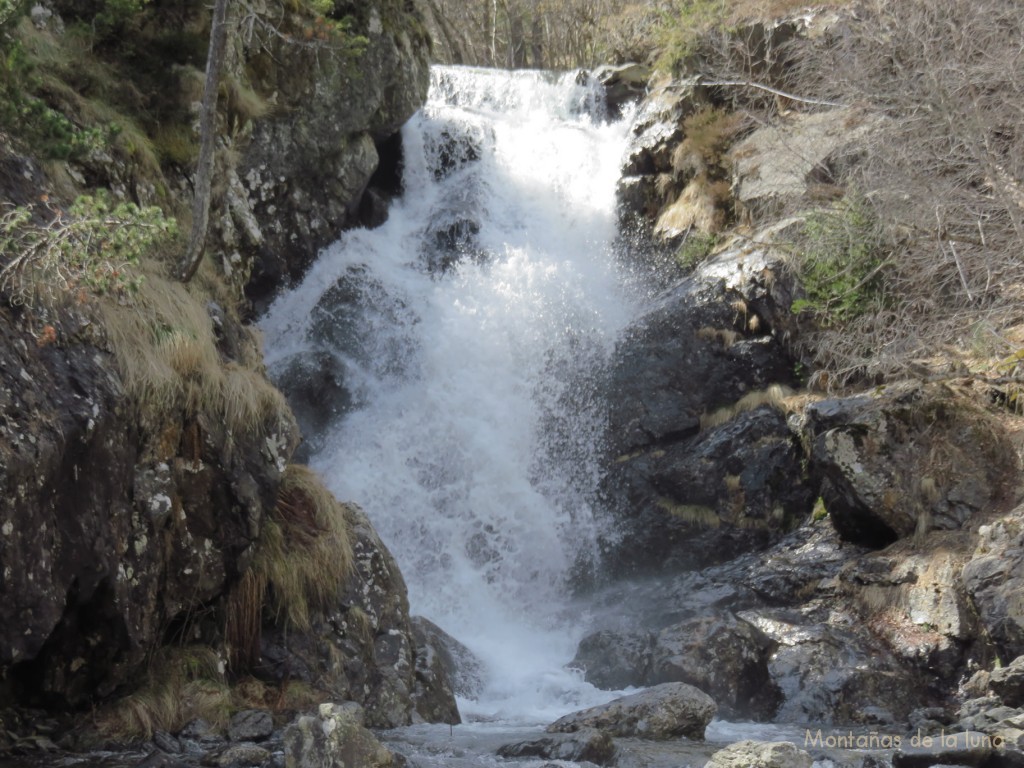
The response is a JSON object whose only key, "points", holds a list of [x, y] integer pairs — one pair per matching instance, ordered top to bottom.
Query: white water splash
{"points": [[473, 446]]}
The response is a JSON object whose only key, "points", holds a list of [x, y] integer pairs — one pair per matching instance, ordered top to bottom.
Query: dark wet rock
{"points": [[309, 161], [316, 386], [884, 462], [701, 474], [728, 490], [994, 580], [722, 655], [613, 660], [460, 664], [435, 673], [1008, 682], [665, 711], [250, 725], [335, 735], [166, 742], [586, 744], [970, 748], [760, 754], [238, 756]]}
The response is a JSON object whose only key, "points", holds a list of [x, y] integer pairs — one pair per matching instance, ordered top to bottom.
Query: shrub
{"points": [[91, 247], [840, 263]]}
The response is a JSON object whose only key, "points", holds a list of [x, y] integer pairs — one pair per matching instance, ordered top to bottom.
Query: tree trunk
{"points": [[207, 142]]}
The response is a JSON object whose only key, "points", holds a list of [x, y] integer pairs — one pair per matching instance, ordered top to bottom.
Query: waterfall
{"points": [[468, 333]]}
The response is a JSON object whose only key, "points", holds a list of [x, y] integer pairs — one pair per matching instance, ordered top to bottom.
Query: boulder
{"points": [[622, 84], [797, 157], [310, 159], [885, 461], [700, 474], [994, 580], [368, 640], [722, 655], [613, 659], [461, 665], [1008, 683], [435, 699], [665, 711], [250, 725], [335, 736], [586, 744], [760, 754]]}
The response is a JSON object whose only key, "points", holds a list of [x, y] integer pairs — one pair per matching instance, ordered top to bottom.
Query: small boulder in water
{"points": [[663, 712], [334, 736], [586, 744], [760, 754]]}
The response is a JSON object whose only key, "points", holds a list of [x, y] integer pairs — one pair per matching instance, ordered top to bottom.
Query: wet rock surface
{"points": [[885, 462], [700, 474], [664, 711], [586, 744], [754, 754]]}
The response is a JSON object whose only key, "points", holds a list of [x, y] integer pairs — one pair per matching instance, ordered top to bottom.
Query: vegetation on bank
{"points": [[102, 108]]}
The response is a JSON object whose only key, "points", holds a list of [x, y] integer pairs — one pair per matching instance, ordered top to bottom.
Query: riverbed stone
{"points": [[1008, 682], [665, 711], [250, 725], [334, 736], [586, 744], [760, 754]]}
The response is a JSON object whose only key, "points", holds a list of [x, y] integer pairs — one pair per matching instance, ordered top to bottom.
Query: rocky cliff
{"points": [[151, 514], [822, 553]]}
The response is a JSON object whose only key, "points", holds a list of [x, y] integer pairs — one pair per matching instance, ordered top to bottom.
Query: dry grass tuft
{"points": [[166, 350], [776, 396], [692, 514], [305, 552], [303, 559], [181, 685]]}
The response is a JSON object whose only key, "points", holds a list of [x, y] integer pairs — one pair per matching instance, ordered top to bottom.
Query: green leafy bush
{"points": [[93, 247], [841, 259]]}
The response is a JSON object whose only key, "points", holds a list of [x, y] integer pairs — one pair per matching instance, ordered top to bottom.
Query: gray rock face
{"points": [[308, 163], [785, 164], [885, 462], [699, 474], [115, 525], [994, 580], [369, 641], [724, 656], [460, 664], [435, 673], [1008, 683], [665, 711], [250, 725], [335, 736], [586, 744], [760, 754]]}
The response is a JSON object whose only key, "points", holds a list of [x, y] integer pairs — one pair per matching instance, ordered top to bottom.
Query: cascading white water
{"points": [[470, 328]]}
